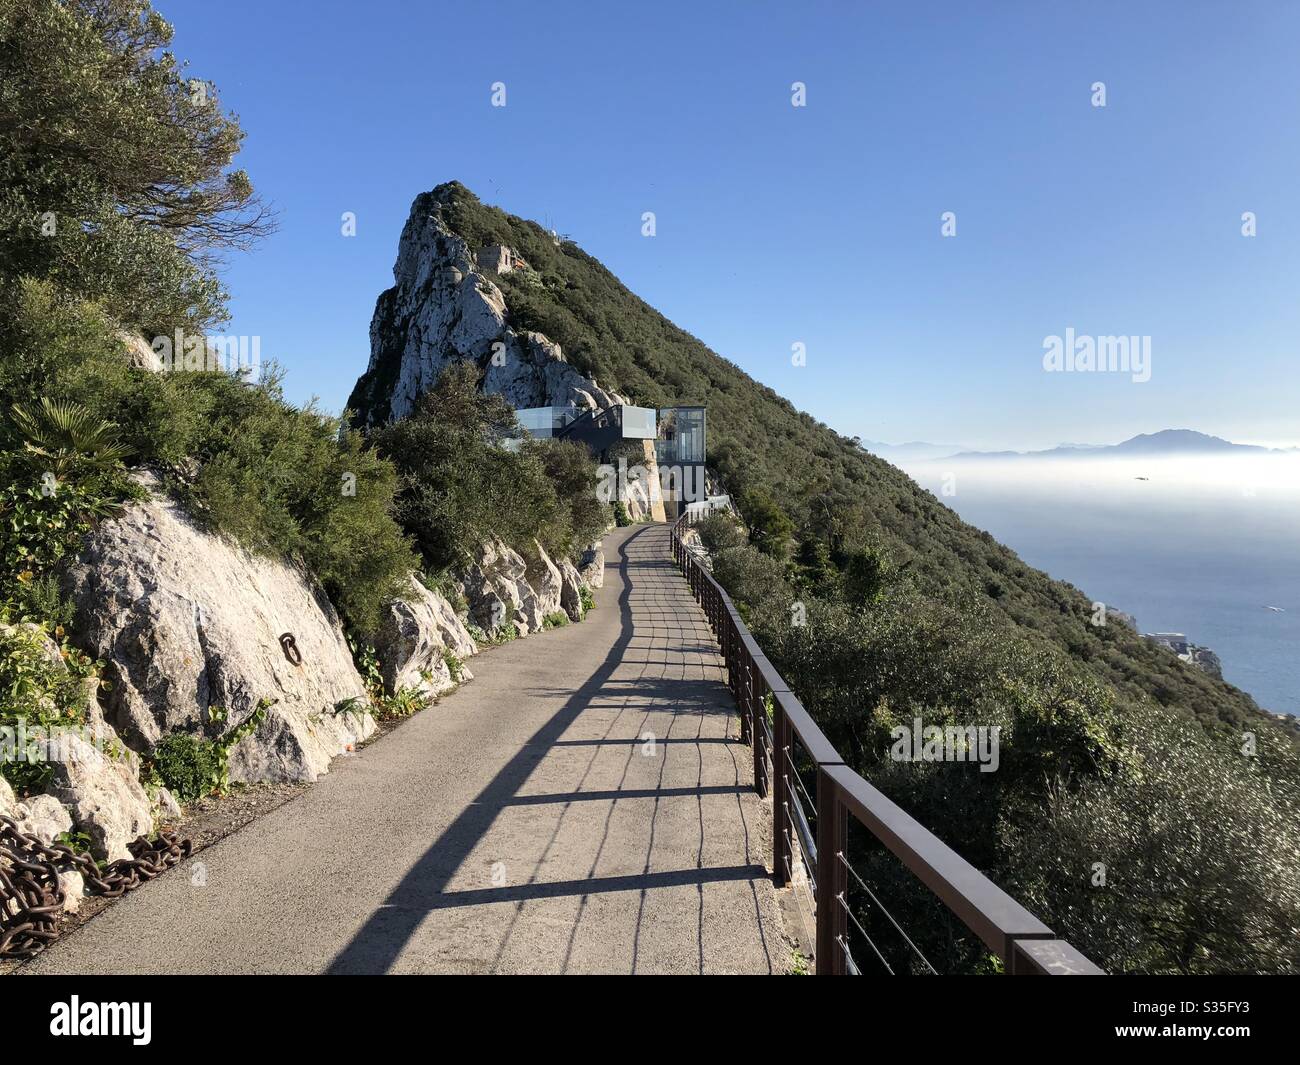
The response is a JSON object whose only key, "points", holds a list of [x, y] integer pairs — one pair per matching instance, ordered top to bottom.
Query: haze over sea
{"points": [[1203, 546]]}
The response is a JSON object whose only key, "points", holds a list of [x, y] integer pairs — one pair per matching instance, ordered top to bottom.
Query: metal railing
{"points": [[789, 747]]}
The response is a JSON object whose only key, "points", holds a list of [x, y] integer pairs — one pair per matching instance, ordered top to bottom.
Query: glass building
{"points": [[621, 422], [681, 437]]}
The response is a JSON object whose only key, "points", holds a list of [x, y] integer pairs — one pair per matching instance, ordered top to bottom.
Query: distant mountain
{"points": [[1165, 444], [913, 451]]}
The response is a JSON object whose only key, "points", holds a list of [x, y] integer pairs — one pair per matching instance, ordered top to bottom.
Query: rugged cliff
{"points": [[445, 307]]}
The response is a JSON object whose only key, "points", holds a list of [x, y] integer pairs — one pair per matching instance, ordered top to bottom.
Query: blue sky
{"points": [[820, 224]]}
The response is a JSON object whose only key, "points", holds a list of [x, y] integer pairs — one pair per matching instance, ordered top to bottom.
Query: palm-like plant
{"points": [[67, 435]]}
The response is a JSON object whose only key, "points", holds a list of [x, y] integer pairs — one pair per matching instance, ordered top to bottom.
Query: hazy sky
{"points": [[821, 224]]}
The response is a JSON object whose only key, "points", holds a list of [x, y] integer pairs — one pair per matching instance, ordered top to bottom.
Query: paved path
{"points": [[518, 826]]}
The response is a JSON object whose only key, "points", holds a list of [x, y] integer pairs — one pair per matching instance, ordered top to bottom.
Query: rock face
{"points": [[445, 308], [140, 353], [591, 567], [545, 579], [502, 588], [495, 589], [570, 590], [187, 621], [411, 645], [103, 795], [42, 816]]}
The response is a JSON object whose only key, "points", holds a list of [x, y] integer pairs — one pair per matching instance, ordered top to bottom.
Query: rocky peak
{"points": [[445, 308]]}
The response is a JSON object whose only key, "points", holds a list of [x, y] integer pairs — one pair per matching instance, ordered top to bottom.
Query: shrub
{"points": [[116, 181], [64, 474], [283, 481], [460, 488], [582, 517], [720, 531], [555, 621], [38, 693], [402, 703], [188, 766], [192, 767], [1083, 778], [1183, 862]]}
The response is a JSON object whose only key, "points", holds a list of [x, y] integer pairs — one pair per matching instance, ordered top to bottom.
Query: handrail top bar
{"points": [[774, 681], [814, 740], [1050, 957]]}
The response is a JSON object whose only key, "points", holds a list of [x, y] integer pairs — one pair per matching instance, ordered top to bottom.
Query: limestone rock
{"points": [[445, 308], [140, 352], [644, 494], [591, 566], [546, 581], [496, 588], [570, 590], [187, 621], [416, 632], [103, 795], [8, 800], [168, 807], [44, 817], [74, 890]]}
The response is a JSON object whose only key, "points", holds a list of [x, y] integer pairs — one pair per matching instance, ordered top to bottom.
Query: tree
{"points": [[115, 177], [572, 471], [461, 488], [769, 527]]}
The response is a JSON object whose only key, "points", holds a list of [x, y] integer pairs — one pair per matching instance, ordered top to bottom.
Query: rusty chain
{"points": [[31, 897]]}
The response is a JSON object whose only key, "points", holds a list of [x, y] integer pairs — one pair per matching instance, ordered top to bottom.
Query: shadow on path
{"points": [[380, 941]]}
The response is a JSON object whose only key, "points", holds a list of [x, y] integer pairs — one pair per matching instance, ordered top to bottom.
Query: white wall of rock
{"points": [[443, 308], [185, 621]]}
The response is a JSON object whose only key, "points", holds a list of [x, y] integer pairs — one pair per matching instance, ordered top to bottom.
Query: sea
{"points": [[1209, 547]]}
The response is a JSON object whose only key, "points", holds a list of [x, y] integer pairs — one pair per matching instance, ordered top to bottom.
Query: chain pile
{"points": [[31, 898]]}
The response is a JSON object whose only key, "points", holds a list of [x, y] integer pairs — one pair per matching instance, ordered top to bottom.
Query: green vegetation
{"points": [[114, 165], [116, 197], [282, 480], [460, 487], [555, 621], [38, 693], [192, 767], [1144, 840]]}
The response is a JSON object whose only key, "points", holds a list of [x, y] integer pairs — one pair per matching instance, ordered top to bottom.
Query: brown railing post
{"points": [[756, 732], [781, 850], [832, 877]]}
